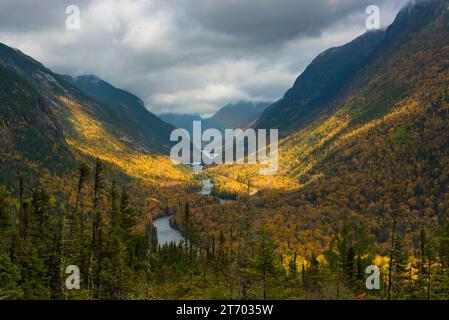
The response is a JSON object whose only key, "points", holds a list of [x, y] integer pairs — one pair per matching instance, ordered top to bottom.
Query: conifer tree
{"points": [[96, 256], [265, 262], [9, 272]]}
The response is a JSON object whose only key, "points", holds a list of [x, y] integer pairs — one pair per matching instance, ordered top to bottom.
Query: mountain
{"points": [[339, 72], [324, 82], [350, 91], [123, 112], [237, 115], [242, 115], [183, 121], [56, 122], [144, 126], [29, 130], [382, 145], [377, 150], [363, 180]]}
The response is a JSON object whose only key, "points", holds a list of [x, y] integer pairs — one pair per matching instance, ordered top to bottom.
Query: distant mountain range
{"points": [[242, 114], [238, 115], [50, 121], [183, 121]]}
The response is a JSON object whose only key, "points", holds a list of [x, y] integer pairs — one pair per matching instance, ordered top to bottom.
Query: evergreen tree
{"points": [[84, 172], [97, 229], [265, 262], [397, 271], [9, 272], [114, 273], [441, 287]]}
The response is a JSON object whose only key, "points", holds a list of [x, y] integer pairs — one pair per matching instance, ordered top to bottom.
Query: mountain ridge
{"points": [[320, 84], [303, 102], [131, 108], [239, 115], [120, 133]]}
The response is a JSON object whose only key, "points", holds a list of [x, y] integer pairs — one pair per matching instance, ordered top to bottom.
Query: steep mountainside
{"points": [[407, 68], [333, 76], [323, 83], [123, 112], [141, 123], [29, 130], [122, 133], [378, 152]]}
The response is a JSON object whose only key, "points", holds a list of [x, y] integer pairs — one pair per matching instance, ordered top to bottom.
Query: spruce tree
{"points": [[97, 225], [265, 262]]}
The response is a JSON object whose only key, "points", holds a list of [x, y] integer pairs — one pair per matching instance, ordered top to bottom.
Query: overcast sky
{"points": [[187, 56]]}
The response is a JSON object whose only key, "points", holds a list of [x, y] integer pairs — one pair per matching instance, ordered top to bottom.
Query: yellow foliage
{"points": [[90, 138]]}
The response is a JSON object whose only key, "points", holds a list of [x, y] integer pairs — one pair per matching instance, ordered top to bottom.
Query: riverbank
{"points": [[169, 232]]}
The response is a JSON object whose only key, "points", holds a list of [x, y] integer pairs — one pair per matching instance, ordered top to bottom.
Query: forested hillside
{"points": [[323, 84], [116, 127], [145, 127], [31, 135], [375, 154], [63, 155], [363, 180]]}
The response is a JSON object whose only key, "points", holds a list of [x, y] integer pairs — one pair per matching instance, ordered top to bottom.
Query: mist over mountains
{"points": [[241, 115], [362, 179]]}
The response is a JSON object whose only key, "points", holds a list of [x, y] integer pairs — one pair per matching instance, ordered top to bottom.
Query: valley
{"points": [[362, 180], [165, 232]]}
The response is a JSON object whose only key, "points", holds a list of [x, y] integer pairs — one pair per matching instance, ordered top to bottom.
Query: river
{"points": [[167, 234]]}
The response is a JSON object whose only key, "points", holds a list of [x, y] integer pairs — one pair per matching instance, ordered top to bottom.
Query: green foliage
{"points": [[400, 135], [9, 278]]}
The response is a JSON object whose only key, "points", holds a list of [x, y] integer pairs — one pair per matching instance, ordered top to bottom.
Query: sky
{"points": [[187, 56]]}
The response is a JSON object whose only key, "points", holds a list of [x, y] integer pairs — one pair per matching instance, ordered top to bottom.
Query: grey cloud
{"points": [[35, 15], [273, 21], [187, 55]]}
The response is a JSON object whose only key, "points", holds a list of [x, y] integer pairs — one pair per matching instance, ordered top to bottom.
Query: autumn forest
{"points": [[362, 183]]}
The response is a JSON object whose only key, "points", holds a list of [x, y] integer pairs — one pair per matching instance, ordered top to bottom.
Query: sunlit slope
{"points": [[378, 65], [409, 76], [88, 127], [143, 127], [382, 147]]}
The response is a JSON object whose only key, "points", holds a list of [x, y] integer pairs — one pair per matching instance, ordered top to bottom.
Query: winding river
{"points": [[165, 232]]}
